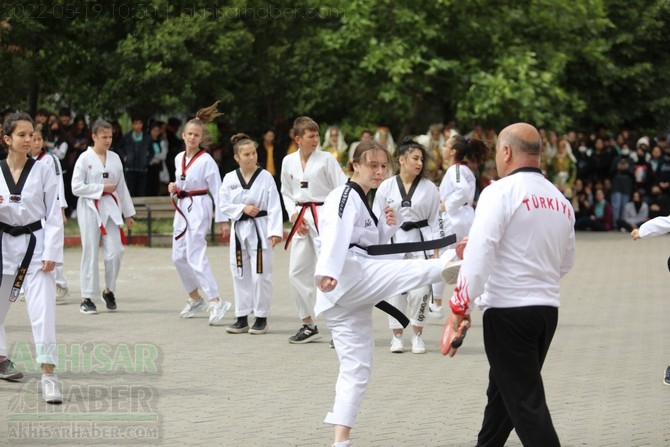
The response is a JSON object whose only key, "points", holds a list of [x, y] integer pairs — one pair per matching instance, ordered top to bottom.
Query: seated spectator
{"points": [[635, 213], [600, 216]]}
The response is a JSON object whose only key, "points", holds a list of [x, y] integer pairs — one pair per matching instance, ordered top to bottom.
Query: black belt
{"points": [[406, 226], [259, 245], [407, 247], [23, 268]]}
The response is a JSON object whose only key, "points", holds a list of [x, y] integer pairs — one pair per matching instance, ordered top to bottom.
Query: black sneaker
{"points": [[110, 300], [87, 307], [240, 326], [260, 326], [305, 335], [8, 371], [667, 376]]}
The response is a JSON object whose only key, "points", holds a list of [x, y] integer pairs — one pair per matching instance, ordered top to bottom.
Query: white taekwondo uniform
{"points": [[54, 163], [200, 175], [303, 190], [457, 192], [38, 203], [420, 209], [100, 215], [655, 227], [251, 262], [362, 282]]}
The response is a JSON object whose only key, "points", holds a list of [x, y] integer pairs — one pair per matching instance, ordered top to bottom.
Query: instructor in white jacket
{"points": [[520, 245]]}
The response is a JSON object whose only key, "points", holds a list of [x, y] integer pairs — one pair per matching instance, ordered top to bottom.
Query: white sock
{"points": [[346, 443]]}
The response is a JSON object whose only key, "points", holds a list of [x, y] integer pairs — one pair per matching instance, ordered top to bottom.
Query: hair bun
{"points": [[238, 137]]}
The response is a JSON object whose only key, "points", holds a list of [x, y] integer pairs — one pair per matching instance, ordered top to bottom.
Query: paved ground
{"points": [[141, 372]]}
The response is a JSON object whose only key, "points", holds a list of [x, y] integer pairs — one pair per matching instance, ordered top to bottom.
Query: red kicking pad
{"points": [[451, 341]]}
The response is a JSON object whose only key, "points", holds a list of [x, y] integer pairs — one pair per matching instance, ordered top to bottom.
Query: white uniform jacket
{"points": [[54, 164], [197, 174], [321, 175], [88, 181], [261, 191], [457, 191], [38, 202], [421, 207], [346, 219], [655, 227], [521, 243]]}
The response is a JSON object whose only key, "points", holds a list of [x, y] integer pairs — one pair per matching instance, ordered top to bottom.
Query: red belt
{"points": [[181, 194], [301, 216], [124, 241]]}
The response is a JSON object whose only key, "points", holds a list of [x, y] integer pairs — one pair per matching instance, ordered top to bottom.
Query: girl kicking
{"points": [[350, 282]]}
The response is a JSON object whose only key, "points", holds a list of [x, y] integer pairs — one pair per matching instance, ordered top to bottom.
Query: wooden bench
{"points": [[151, 208]]}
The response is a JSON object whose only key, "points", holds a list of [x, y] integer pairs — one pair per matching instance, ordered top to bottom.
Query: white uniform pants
{"points": [[112, 252], [188, 256], [302, 262], [60, 276], [253, 291], [40, 292], [414, 304], [350, 322]]}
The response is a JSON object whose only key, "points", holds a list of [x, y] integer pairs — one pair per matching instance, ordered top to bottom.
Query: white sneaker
{"points": [[450, 272], [61, 293], [193, 307], [217, 309], [435, 311], [397, 346], [418, 347], [51, 389]]}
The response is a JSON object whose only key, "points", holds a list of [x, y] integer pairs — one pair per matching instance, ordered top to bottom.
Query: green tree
{"points": [[359, 63], [630, 85]]}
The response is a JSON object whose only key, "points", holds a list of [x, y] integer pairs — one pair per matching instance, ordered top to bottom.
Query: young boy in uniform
{"points": [[307, 177]]}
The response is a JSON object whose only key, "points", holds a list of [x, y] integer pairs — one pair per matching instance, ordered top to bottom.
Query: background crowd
{"points": [[616, 180]]}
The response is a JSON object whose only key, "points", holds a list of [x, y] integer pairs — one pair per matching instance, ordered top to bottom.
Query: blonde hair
{"points": [[202, 117], [362, 149]]}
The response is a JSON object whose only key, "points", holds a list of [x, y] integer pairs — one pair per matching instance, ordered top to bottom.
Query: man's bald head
{"points": [[523, 137], [519, 145]]}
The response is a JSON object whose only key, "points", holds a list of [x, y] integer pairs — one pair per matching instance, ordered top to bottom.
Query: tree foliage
{"points": [[358, 63]]}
